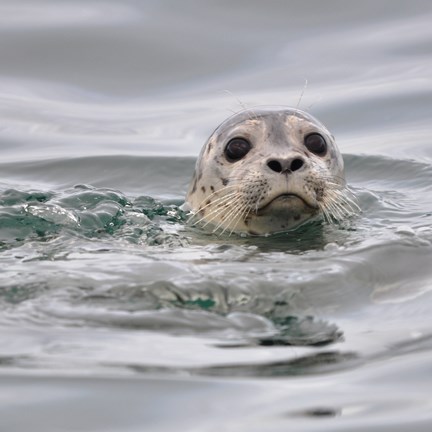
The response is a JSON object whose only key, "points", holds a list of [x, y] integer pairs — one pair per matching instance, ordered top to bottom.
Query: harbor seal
{"points": [[268, 170]]}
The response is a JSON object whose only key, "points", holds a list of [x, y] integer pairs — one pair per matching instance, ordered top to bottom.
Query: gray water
{"points": [[115, 314]]}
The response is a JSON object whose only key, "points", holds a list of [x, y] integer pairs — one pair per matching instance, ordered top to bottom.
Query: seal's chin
{"points": [[287, 203], [281, 213]]}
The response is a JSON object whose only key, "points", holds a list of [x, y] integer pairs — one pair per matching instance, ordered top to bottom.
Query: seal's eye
{"points": [[316, 144], [237, 149]]}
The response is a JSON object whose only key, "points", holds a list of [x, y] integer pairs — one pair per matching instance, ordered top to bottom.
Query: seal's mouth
{"points": [[286, 202]]}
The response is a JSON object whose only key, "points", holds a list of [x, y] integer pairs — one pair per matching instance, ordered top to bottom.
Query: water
{"points": [[118, 316]]}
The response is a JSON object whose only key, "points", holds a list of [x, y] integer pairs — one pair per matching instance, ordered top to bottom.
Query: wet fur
{"points": [[228, 197]]}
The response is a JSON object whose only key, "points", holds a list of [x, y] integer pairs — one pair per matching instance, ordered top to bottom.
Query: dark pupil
{"points": [[315, 143], [237, 148]]}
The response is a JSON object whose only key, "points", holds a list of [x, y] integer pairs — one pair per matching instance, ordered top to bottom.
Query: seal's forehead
{"points": [[268, 115]]}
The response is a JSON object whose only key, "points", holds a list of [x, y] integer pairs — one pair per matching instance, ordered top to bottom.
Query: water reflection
{"points": [[102, 280]]}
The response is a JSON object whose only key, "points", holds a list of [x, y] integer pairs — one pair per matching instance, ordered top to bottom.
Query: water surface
{"points": [[116, 315]]}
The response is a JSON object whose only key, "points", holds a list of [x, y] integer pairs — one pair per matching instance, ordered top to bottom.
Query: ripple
{"points": [[85, 211]]}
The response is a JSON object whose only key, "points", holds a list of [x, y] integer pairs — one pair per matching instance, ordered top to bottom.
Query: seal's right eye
{"points": [[237, 149]]}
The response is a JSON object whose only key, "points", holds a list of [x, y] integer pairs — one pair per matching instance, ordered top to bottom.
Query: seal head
{"points": [[267, 170]]}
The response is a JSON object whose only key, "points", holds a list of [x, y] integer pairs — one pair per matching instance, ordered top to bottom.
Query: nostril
{"points": [[296, 164], [275, 166]]}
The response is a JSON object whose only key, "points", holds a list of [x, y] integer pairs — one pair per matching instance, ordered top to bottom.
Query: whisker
{"points": [[301, 94], [239, 101], [218, 201], [258, 201], [338, 201], [227, 202], [217, 211], [241, 214], [227, 217], [233, 220]]}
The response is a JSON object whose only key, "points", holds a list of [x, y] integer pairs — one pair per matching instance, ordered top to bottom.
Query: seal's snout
{"points": [[286, 165]]}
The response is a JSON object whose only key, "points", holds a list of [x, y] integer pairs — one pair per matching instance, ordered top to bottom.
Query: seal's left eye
{"points": [[316, 144], [237, 149]]}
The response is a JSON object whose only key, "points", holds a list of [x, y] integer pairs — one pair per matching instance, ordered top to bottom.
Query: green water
{"points": [[118, 315]]}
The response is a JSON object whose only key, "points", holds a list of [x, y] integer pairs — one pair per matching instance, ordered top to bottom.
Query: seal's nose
{"points": [[286, 165]]}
